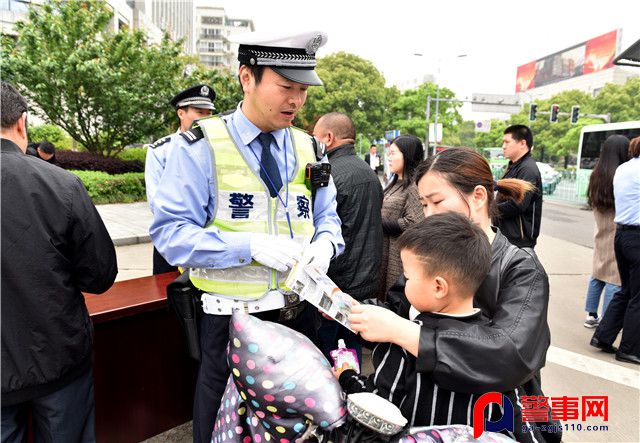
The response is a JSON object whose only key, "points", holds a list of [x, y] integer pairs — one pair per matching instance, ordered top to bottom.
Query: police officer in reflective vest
{"points": [[191, 104], [233, 207]]}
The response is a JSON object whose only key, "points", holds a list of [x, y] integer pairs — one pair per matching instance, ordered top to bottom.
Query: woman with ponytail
{"points": [[509, 351]]}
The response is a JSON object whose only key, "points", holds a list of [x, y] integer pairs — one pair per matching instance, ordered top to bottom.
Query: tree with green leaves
{"points": [[226, 85], [353, 86], [105, 89], [621, 101], [408, 112]]}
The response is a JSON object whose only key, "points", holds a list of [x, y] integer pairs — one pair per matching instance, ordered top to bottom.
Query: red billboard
{"points": [[593, 55]]}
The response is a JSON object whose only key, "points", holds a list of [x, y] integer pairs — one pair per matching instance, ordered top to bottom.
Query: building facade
{"points": [[154, 17], [213, 29]]}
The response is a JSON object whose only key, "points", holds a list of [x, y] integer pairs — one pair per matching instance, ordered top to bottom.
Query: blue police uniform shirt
{"points": [[155, 164], [626, 191], [184, 201]]}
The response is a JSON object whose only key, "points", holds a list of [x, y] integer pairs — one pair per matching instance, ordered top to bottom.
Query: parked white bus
{"points": [[591, 139]]}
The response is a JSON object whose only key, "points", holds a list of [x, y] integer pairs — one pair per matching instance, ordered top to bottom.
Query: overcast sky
{"points": [[496, 35]]}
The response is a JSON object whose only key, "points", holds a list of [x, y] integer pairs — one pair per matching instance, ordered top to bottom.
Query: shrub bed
{"points": [[139, 154], [87, 161], [106, 188]]}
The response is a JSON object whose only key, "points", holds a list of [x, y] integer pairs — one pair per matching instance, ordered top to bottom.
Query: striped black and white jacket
{"points": [[420, 399]]}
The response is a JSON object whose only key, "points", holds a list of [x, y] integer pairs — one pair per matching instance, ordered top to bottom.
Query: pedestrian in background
{"points": [[191, 104], [44, 150], [373, 159], [359, 205], [401, 206], [520, 222], [54, 246], [604, 274], [624, 310]]}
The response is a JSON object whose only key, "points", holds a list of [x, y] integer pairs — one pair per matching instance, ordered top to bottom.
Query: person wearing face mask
{"points": [[401, 206], [359, 207], [234, 208], [509, 351]]}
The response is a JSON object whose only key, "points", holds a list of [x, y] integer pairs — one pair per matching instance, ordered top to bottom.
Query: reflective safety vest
{"points": [[243, 204]]}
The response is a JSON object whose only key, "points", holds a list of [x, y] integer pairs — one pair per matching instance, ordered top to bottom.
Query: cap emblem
{"points": [[312, 45], [204, 91]]}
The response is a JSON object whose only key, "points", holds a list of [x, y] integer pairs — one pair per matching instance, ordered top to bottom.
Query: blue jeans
{"points": [[593, 295]]}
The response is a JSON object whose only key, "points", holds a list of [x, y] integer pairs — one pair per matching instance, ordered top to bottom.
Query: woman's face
{"points": [[396, 160], [437, 196]]}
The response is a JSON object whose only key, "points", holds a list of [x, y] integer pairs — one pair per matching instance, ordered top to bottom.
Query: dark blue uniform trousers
{"points": [[214, 370], [67, 415]]}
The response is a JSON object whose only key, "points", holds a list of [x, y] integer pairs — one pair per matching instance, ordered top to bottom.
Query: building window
{"points": [[207, 20]]}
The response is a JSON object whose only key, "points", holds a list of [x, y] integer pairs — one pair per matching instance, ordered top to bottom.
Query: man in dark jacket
{"points": [[43, 150], [359, 198], [520, 223], [54, 245]]}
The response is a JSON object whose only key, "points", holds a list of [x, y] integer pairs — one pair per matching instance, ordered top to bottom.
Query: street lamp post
{"points": [[428, 111]]}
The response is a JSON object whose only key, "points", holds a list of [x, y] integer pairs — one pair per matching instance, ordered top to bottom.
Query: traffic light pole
{"points": [[605, 117]]}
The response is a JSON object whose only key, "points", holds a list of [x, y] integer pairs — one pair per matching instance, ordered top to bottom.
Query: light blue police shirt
{"points": [[154, 165], [626, 191], [184, 201]]}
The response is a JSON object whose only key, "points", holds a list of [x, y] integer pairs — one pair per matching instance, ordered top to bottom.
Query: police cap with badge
{"points": [[291, 56], [199, 96]]}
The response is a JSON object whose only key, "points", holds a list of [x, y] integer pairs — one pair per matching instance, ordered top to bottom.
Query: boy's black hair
{"points": [[450, 244]]}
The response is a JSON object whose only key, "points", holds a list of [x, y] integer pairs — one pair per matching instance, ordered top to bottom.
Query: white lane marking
{"points": [[593, 366]]}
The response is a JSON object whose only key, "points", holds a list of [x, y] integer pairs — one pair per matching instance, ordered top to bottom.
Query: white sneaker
{"points": [[591, 321]]}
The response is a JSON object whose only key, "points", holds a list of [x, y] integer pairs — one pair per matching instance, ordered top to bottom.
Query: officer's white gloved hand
{"points": [[279, 253], [318, 253]]}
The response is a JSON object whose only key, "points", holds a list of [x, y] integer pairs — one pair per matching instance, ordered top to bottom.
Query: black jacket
{"points": [[359, 198], [520, 223], [54, 245], [507, 354]]}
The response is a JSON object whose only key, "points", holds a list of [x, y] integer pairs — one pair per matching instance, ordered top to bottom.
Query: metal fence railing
{"points": [[570, 189]]}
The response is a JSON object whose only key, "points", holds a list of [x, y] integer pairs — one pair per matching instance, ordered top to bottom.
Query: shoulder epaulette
{"points": [[192, 135], [160, 142]]}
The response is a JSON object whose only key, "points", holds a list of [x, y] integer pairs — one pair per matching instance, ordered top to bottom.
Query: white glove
{"points": [[279, 253], [318, 253]]}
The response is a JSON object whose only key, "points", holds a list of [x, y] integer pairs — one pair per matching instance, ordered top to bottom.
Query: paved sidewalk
{"points": [[127, 223]]}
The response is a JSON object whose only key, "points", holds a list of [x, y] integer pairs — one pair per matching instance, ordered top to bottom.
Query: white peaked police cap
{"points": [[293, 56]]}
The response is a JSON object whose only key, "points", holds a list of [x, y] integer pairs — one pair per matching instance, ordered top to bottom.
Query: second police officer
{"points": [[191, 104], [233, 206]]}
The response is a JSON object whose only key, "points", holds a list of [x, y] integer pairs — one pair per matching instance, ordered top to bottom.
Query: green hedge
{"points": [[139, 154], [119, 188]]}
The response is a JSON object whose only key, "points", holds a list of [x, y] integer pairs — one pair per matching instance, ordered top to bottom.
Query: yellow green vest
{"points": [[243, 204]]}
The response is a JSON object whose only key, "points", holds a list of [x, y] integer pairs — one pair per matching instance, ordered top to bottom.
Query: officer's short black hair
{"points": [[256, 71], [12, 105], [519, 133], [47, 147], [452, 246]]}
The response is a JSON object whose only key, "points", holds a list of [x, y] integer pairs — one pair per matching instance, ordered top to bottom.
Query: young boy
{"points": [[445, 259]]}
